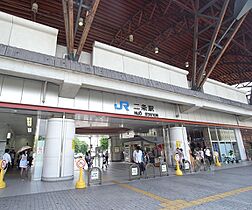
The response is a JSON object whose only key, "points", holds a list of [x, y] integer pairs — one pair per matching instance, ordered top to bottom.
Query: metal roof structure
{"points": [[209, 38]]}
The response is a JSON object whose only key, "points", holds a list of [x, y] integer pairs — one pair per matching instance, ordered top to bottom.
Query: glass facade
{"points": [[225, 143]]}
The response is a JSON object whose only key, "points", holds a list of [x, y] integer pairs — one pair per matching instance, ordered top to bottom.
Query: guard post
{"points": [[216, 158], [2, 167], [163, 169], [149, 171], [178, 171], [134, 172], [95, 176], [80, 184]]}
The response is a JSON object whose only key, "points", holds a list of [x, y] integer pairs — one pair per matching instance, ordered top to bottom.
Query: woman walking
{"points": [[23, 163]]}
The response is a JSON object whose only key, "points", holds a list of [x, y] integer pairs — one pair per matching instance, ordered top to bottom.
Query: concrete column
{"points": [[41, 127], [179, 134], [3, 135], [116, 143], [240, 144], [167, 146], [59, 155]]}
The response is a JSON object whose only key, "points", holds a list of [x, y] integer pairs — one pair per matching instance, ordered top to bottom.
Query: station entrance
{"points": [[57, 139]]}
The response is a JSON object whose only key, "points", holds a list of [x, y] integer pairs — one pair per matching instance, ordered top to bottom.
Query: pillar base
{"points": [[53, 179]]}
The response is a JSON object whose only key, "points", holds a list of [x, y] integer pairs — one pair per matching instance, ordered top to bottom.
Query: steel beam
{"points": [[209, 4], [141, 18], [66, 22], [88, 23], [239, 23], [71, 29], [212, 42], [195, 44], [250, 100]]}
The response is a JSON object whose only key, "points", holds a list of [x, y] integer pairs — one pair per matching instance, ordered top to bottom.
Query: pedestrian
{"points": [[12, 154], [208, 155], [138, 158], [7, 159], [88, 159], [23, 163]]}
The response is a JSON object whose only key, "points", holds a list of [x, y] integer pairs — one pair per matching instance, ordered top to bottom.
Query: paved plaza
{"points": [[220, 189]]}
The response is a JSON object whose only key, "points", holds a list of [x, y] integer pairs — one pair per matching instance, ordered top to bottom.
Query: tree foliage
{"points": [[104, 143], [80, 146]]}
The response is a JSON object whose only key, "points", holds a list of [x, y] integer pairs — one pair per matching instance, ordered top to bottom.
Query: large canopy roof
{"points": [[168, 25]]}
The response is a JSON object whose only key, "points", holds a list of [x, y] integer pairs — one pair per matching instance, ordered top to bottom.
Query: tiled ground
{"points": [[148, 194]]}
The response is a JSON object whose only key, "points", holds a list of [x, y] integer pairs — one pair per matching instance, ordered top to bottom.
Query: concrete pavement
{"points": [[220, 189]]}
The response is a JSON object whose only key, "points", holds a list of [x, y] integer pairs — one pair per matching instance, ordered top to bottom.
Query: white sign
{"points": [[177, 157], [163, 168], [134, 171], [94, 174]]}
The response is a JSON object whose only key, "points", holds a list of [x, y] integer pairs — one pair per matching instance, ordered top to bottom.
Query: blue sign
{"points": [[121, 105]]}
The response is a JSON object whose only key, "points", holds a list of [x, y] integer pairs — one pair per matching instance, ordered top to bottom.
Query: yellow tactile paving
{"points": [[181, 204]]}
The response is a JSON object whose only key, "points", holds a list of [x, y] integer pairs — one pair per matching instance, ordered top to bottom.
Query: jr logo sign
{"points": [[121, 105]]}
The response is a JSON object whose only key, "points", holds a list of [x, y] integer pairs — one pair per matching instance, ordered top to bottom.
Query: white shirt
{"points": [[207, 152], [138, 156], [7, 157]]}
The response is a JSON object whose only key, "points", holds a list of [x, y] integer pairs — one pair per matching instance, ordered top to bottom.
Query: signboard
{"points": [[138, 109], [178, 144], [176, 157], [81, 163], [3, 164], [163, 168], [134, 172], [94, 174]]}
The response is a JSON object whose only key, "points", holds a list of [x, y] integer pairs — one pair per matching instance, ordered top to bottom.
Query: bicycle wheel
{"points": [[197, 165], [207, 165]]}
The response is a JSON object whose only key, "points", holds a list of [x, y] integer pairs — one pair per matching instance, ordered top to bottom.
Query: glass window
{"points": [[213, 134], [223, 134], [232, 135]]}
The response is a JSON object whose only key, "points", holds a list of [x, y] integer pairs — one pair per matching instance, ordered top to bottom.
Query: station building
{"points": [[109, 91]]}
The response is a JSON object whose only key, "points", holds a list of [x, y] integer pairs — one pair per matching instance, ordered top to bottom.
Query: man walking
{"points": [[7, 158], [138, 158]]}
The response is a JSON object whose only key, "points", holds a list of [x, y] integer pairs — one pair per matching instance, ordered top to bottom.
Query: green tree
{"points": [[104, 143], [80, 146]]}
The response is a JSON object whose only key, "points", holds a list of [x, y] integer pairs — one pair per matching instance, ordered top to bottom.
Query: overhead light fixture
{"points": [[35, 7], [81, 22], [131, 38], [156, 50], [186, 64], [29, 121], [29, 130], [8, 135]]}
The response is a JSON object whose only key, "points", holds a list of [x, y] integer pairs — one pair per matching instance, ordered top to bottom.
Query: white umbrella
{"points": [[23, 149]]}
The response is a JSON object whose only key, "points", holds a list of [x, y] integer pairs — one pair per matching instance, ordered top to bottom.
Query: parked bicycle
{"points": [[201, 163], [186, 167]]}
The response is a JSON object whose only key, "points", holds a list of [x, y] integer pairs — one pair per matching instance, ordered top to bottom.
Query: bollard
{"points": [[217, 162], [178, 171], [2, 182], [80, 184]]}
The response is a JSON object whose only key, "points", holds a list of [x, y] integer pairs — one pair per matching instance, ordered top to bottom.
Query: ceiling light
{"points": [[35, 7], [81, 22], [131, 38], [156, 50], [186, 64], [29, 121], [29, 130], [8, 135]]}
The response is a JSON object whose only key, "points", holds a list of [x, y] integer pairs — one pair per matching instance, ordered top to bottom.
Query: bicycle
{"points": [[202, 163], [186, 166]]}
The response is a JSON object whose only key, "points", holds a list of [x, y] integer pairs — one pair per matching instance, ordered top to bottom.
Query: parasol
{"points": [[23, 149]]}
